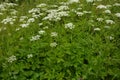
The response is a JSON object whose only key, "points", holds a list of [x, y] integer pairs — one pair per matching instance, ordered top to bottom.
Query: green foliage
{"points": [[80, 53]]}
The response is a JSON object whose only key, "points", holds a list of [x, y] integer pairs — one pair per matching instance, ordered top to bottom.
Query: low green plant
{"points": [[81, 44]]}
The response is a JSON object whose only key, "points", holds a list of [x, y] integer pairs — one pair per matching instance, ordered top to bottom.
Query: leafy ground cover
{"points": [[60, 40]]}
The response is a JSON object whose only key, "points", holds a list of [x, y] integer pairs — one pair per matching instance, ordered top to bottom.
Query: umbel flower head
{"points": [[73, 1], [101, 7], [117, 15], [69, 26], [54, 34], [53, 44], [12, 58]]}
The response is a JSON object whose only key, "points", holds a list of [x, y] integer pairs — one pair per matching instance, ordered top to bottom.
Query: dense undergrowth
{"points": [[60, 40]]}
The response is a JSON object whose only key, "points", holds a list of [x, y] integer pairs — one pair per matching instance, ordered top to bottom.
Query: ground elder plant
{"points": [[63, 40]]}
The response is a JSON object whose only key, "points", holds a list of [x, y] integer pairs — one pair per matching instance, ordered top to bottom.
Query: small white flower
{"points": [[73, 1], [11, 4], [116, 4], [41, 5], [54, 6], [108, 6], [63, 7], [101, 7], [79, 8], [34, 10], [107, 11], [13, 12], [86, 12], [1, 13], [62, 13], [80, 13], [36, 15], [117, 15], [52, 16], [14, 17], [22, 18], [100, 19], [8, 20], [30, 20], [110, 22], [40, 24], [24, 25], [69, 26], [46, 27], [17, 29], [97, 29], [41, 32], [54, 34], [34, 38], [111, 38], [54, 44], [29, 56], [12, 58]]}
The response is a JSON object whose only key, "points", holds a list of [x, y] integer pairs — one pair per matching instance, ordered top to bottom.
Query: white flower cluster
{"points": [[73, 1], [11, 4], [116, 4], [41, 5], [5, 6], [53, 6], [108, 6], [2, 7], [63, 7], [101, 7], [107, 11], [13, 12], [35, 12], [87, 12], [1, 13], [63, 13], [80, 13], [55, 15], [117, 15], [52, 16], [23, 18], [100, 19], [8, 20], [30, 20], [109, 21], [40, 24], [24, 25], [69, 26], [46, 27], [97, 29], [41, 32], [54, 34], [111, 37], [34, 38], [54, 44], [29, 56], [12, 58]]}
